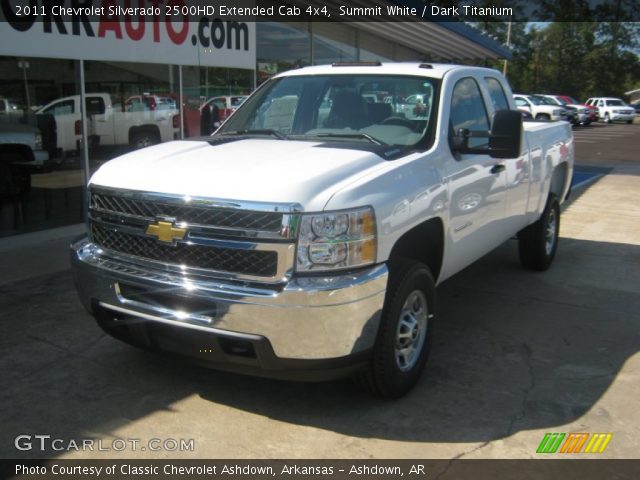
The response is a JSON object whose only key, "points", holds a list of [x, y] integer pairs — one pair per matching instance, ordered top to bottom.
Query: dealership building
{"points": [[157, 66]]}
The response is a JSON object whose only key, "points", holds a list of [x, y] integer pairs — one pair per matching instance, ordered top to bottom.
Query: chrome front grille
{"points": [[193, 214], [242, 241], [248, 262]]}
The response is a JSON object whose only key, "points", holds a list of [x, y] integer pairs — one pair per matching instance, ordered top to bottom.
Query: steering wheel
{"points": [[400, 121]]}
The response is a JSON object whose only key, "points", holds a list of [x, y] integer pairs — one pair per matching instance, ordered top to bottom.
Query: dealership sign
{"points": [[178, 32]]}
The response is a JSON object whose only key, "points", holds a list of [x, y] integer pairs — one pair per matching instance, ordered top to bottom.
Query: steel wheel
{"points": [[550, 232], [538, 242], [406, 329], [411, 331]]}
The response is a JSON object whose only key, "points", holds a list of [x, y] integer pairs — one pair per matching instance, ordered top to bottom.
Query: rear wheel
{"points": [[543, 116], [629, 122], [144, 138], [537, 244], [404, 336]]}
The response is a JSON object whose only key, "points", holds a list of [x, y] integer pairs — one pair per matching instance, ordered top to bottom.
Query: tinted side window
{"points": [[498, 98], [94, 105], [61, 108], [468, 110]]}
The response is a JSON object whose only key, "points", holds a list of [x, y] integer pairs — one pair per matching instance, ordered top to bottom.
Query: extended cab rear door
{"points": [[518, 170]]}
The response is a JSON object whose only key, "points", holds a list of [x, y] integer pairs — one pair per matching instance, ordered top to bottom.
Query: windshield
{"points": [[537, 100], [545, 100], [382, 109]]}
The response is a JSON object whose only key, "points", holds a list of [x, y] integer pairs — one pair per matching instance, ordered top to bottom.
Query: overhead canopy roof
{"points": [[436, 40], [439, 41]]}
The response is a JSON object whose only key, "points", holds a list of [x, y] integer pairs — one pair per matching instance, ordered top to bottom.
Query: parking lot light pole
{"points": [[504, 67]]}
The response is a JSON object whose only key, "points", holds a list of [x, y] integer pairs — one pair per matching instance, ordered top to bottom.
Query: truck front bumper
{"points": [[309, 327]]}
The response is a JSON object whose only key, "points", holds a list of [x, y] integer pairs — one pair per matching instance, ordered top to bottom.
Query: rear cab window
{"points": [[496, 93]]}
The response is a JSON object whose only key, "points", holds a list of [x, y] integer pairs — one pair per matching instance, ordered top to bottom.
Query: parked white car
{"points": [[539, 109], [612, 109], [298, 245]]}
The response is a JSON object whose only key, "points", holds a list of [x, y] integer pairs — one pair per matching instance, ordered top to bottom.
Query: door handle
{"points": [[497, 168]]}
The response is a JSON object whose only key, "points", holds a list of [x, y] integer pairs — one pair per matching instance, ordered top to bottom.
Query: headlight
{"points": [[38, 142], [336, 240]]}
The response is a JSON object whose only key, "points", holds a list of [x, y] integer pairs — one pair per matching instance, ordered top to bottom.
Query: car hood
{"points": [[232, 168]]}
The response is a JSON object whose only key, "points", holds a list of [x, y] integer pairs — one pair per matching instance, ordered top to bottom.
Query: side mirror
{"points": [[506, 134]]}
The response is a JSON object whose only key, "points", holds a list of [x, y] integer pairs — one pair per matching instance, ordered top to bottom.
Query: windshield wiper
{"points": [[257, 131], [366, 136]]}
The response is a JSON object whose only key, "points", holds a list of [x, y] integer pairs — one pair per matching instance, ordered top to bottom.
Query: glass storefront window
{"points": [[333, 43], [281, 46], [211, 95], [40, 186]]}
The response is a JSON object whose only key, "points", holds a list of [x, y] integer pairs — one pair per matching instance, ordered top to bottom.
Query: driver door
{"points": [[476, 182]]}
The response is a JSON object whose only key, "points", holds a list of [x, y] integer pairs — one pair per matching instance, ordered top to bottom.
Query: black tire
{"points": [[543, 116], [607, 119], [629, 122], [144, 138], [538, 243], [394, 371]]}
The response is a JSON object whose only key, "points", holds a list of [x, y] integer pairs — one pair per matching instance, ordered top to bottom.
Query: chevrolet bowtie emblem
{"points": [[166, 232]]}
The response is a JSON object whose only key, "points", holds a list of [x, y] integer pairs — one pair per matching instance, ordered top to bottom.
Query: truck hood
{"points": [[257, 170]]}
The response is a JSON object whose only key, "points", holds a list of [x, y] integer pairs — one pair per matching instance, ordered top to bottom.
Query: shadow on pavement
{"points": [[514, 351]]}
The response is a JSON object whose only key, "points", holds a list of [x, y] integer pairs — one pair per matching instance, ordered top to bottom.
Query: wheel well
{"points": [[149, 129], [16, 152], [559, 180], [425, 243]]}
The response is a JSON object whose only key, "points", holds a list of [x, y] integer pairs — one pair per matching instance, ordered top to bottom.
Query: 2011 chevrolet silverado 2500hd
{"points": [[305, 237]]}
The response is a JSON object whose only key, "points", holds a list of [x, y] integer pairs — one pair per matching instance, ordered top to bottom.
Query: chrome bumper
{"points": [[309, 318]]}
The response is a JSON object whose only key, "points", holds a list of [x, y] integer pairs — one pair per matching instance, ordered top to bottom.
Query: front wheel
{"points": [[607, 119], [537, 244], [404, 336]]}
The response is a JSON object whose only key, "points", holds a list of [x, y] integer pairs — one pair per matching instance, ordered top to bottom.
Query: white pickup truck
{"points": [[108, 124], [302, 243]]}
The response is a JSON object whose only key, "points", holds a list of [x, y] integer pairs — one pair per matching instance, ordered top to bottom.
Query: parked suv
{"points": [[612, 109]]}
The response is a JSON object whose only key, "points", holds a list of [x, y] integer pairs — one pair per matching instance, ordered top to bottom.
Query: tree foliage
{"points": [[585, 48], [581, 59]]}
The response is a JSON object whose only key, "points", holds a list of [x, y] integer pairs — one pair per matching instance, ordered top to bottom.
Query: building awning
{"points": [[435, 40], [439, 41]]}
